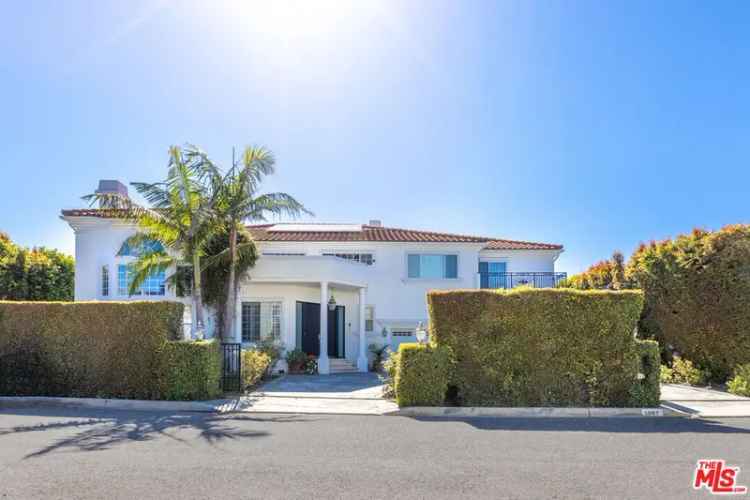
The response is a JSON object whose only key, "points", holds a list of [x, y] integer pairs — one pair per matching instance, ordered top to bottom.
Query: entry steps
{"points": [[341, 365]]}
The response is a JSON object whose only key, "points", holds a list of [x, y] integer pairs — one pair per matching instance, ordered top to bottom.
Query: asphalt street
{"points": [[93, 454]]}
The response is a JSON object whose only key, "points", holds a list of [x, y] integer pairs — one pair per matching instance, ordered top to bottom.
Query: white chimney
{"points": [[112, 187], [375, 223]]}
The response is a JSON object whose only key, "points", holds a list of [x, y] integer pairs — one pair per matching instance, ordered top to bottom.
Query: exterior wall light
{"points": [[331, 303], [421, 333]]}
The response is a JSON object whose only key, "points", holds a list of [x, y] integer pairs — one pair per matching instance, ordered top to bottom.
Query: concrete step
{"points": [[339, 365]]}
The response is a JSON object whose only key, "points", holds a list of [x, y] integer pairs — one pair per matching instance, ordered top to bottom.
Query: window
{"points": [[126, 250], [364, 258], [432, 266], [105, 281], [155, 284], [369, 318], [261, 321]]}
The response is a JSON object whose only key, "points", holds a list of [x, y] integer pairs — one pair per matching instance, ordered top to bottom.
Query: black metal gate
{"points": [[231, 371]]}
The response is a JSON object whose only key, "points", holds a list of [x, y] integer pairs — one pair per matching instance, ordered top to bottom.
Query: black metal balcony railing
{"points": [[512, 280]]}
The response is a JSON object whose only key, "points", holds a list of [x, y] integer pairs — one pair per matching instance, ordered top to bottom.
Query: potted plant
{"points": [[379, 352], [296, 360]]}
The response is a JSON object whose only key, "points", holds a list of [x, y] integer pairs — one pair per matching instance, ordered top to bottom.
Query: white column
{"points": [[362, 362], [324, 367]]}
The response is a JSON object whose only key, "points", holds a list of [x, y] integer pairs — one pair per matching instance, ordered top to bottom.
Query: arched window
{"points": [[128, 250]]}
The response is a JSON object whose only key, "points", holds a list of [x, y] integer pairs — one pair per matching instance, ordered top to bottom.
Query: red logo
{"points": [[717, 477]]}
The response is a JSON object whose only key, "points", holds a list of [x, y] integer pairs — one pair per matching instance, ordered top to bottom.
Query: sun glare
{"points": [[290, 19]]}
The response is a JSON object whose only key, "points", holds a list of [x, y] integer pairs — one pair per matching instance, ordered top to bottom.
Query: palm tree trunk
{"points": [[197, 296], [231, 305]]}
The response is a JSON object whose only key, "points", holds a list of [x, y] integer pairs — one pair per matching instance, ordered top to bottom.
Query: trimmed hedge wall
{"points": [[697, 289], [539, 347], [92, 349], [193, 370], [421, 374], [647, 391]]}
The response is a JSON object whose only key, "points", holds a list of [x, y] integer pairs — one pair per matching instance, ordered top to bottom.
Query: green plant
{"points": [[239, 202], [181, 219], [34, 273], [604, 275], [698, 296], [539, 347], [101, 349], [273, 349], [379, 352], [296, 359], [255, 364], [311, 365], [193, 370], [683, 371], [421, 374], [666, 375], [740, 381], [646, 390]]}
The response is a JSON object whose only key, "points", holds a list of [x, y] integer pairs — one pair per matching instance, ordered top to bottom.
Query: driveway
{"points": [[346, 393], [704, 402]]}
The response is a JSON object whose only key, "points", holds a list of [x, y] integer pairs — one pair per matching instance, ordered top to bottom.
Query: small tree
{"points": [[181, 217]]}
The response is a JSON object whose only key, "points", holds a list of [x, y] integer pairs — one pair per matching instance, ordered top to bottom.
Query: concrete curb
{"points": [[118, 404], [480, 411]]}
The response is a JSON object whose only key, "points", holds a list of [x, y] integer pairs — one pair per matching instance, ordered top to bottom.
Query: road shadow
{"points": [[660, 425], [95, 430]]}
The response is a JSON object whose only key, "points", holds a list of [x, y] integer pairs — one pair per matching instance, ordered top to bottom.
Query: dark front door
{"points": [[310, 322], [336, 332]]}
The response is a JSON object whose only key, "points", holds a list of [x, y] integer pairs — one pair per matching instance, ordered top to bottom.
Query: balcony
{"points": [[512, 280]]}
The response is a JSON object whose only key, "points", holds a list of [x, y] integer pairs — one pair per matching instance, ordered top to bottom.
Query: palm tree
{"points": [[239, 201], [181, 218]]}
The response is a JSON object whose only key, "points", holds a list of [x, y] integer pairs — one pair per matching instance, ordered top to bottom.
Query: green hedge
{"points": [[697, 289], [539, 347], [94, 349], [255, 364], [193, 370], [421, 374], [646, 391]]}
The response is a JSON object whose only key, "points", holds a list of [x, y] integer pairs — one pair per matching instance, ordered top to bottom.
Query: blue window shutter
{"points": [[413, 266], [451, 266], [484, 279]]}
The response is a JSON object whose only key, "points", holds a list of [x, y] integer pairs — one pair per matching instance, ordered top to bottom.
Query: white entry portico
{"points": [[284, 286]]}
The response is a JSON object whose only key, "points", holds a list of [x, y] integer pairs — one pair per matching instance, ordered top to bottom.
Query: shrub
{"points": [[604, 275], [697, 290], [539, 347], [98, 349], [273, 349], [296, 359], [255, 363], [311, 365], [193, 370], [683, 372], [421, 374], [740, 382], [646, 390]]}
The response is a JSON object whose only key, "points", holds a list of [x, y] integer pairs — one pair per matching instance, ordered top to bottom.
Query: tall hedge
{"points": [[697, 290], [539, 347], [95, 349], [193, 370]]}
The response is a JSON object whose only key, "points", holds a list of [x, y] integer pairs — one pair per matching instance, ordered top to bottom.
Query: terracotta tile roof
{"points": [[265, 232]]}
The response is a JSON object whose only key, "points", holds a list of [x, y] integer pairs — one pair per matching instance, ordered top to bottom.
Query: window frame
{"points": [[435, 254], [104, 280], [260, 302], [371, 308]]}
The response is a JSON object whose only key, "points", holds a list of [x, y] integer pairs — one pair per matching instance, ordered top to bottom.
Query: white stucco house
{"points": [[359, 284]]}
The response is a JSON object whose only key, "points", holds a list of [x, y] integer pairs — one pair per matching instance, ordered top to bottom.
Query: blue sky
{"points": [[593, 124]]}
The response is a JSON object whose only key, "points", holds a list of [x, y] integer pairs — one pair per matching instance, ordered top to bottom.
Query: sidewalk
{"points": [[701, 402]]}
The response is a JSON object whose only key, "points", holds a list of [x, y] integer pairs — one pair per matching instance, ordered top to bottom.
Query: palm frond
{"points": [[147, 264]]}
